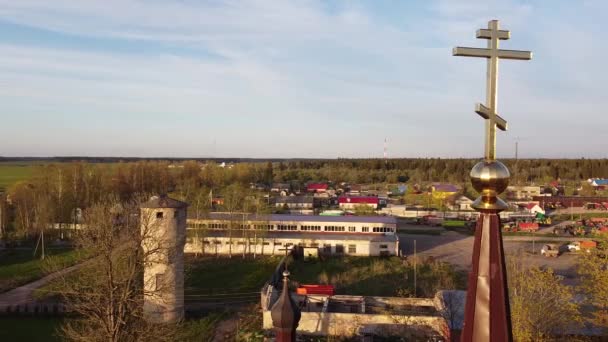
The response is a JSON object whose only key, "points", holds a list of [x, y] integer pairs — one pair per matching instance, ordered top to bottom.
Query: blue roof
{"points": [[601, 181]]}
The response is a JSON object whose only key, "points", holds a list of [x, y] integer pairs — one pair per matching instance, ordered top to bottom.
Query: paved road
{"points": [[456, 249], [24, 294]]}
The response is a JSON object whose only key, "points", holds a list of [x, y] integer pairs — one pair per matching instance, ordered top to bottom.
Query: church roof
{"points": [[163, 201], [285, 313]]}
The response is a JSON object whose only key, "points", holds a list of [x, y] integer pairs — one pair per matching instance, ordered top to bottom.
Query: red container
{"points": [[316, 290]]}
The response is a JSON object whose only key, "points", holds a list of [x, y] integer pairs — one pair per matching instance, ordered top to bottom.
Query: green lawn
{"points": [[13, 172], [18, 266], [210, 275], [376, 276], [30, 329]]}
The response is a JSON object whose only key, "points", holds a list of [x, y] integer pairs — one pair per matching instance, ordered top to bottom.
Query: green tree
{"points": [[593, 273], [542, 308]]}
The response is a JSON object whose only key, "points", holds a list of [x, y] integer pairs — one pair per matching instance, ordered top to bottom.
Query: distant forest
{"points": [[422, 170]]}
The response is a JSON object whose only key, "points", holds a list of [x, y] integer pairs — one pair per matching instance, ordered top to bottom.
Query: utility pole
{"points": [[415, 270]]}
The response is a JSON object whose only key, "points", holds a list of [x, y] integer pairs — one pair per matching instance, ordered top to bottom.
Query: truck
{"points": [[543, 220], [550, 251]]}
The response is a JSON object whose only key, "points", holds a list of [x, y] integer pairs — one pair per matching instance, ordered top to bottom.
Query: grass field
{"points": [[11, 173], [18, 267], [210, 275], [376, 276], [29, 329]]}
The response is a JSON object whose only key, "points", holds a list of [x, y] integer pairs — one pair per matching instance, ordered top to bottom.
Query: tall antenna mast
{"points": [[516, 147], [385, 151]]}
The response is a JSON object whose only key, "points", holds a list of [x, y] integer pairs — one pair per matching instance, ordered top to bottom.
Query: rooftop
{"points": [[163, 201], [305, 218], [320, 236]]}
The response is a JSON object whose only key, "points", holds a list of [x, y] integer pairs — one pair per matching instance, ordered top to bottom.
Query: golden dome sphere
{"points": [[490, 178]]}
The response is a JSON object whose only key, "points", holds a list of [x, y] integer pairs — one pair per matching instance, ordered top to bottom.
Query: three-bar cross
{"points": [[492, 53]]}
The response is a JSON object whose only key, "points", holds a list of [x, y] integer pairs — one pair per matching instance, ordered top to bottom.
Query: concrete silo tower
{"points": [[163, 227]]}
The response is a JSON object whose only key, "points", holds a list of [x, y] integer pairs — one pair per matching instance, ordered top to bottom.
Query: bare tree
{"points": [[233, 201], [201, 203], [107, 292], [451, 307]]}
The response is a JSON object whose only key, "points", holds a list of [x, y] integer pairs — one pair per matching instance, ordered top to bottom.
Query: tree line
{"points": [[56, 192]]}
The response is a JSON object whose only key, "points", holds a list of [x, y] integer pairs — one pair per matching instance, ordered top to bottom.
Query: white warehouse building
{"points": [[223, 233]]}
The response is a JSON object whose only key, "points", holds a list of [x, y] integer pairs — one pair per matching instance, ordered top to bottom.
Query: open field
{"points": [[12, 172], [18, 266], [210, 275], [375, 276]]}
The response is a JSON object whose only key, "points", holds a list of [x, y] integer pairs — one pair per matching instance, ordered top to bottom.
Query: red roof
{"points": [[316, 186], [358, 199], [530, 206], [528, 226]]}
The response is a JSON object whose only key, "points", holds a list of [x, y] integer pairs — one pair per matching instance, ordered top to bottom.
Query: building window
{"points": [[159, 214], [176, 214], [310, 228], [334, 228], [351, 229], [365, 229], [383, 230], [206, 242], [217, 242], [240, 243], [266, 243], [278, 243], [383, 246], [327, 248], [339, 249], [352, 249], [159, 281]]}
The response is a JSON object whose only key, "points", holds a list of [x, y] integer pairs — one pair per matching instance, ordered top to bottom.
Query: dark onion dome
{"points": [[163, 201], [285, 313]]}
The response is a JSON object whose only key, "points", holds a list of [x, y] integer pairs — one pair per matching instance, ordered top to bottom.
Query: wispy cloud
{"points": [[287, 78]]}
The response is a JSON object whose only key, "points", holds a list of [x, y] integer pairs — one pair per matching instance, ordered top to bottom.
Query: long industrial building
{"points": [[222, 233]]}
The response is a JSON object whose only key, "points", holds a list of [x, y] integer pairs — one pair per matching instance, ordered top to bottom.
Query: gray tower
{"points": [[163, 227]]}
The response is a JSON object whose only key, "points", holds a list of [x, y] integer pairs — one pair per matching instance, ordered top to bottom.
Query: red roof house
{"points": [[317, 187], [349, 202]]}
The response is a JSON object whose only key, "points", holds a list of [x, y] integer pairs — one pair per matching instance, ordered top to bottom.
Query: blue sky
{"points": [[296, 78]]}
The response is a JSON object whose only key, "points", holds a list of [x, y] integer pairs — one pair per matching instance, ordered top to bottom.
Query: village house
{"points": [[598, 183], [278, 187], [317, 187], [443, 191], [519, 192], [295, 202], [351, 202], [460, 202], [532, 208]]}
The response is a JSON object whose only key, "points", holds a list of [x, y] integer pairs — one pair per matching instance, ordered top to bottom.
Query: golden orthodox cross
{"points": [[492, 53]]}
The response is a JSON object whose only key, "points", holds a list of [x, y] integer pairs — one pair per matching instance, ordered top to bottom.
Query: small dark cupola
{"points": [[285, 314]]}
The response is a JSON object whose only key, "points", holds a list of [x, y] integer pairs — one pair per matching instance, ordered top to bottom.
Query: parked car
{"points": [[577, 246]]}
